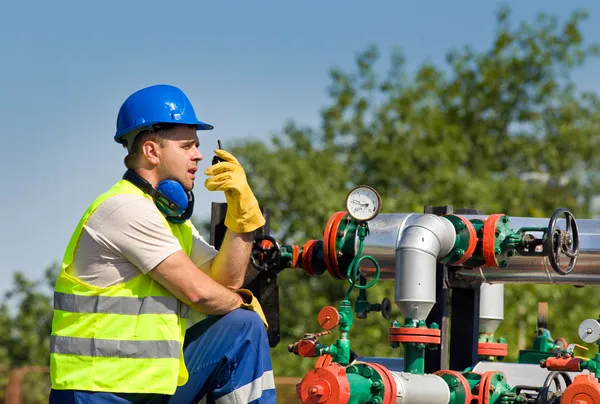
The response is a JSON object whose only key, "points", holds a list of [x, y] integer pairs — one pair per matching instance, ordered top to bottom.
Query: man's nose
{"points": [[197, 156]]}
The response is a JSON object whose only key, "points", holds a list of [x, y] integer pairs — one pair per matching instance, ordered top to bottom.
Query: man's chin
{"points": [[188, 187]]}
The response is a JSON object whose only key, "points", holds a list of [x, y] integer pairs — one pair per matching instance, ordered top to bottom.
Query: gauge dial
{"points": [[363, 203], [589, 331]]}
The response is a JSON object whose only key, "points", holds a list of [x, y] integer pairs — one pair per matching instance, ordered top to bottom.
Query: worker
{"points": [[135, 265]]}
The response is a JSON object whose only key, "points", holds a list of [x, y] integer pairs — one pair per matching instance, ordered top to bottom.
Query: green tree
{"points": [[504, 130], [26, 321]]}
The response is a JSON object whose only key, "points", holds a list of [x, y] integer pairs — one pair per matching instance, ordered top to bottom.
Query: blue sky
{"points": [[247, 66]]}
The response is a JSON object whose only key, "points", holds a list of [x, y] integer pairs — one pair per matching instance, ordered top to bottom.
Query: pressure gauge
{"points": [[363, 203], [589, 330]]}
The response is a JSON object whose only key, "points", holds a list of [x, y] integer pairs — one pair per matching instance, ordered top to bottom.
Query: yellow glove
{"points": [[243, 212], [252, 304]]}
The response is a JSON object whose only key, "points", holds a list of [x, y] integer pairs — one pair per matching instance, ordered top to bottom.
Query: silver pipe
{"points": [[386, 232], [426, 239], [381, 243], [537, 270], [491, 307], [520, 374], [418, 389]]}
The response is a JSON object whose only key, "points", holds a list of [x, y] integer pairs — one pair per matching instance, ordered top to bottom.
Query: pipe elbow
{"points": [[429, 234], [422, 243]]}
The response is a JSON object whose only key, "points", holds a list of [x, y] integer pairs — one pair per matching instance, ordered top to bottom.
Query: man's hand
{"points": [[243, 211], [252, 304]]}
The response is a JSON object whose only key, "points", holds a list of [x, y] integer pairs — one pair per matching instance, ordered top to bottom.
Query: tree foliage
{"points": [[503, 130], [26, 322]]}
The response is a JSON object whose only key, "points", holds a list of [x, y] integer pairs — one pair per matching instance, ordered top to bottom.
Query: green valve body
{"points": [[366, 385]]}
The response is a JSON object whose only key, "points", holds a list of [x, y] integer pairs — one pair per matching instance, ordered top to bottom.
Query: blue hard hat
{"points": [[159, 104]]}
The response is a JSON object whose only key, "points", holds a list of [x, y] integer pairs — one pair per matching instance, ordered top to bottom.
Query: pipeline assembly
{"points": [[425, 255]]}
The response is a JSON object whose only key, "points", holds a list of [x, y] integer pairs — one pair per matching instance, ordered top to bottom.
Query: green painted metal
{"points": [[462, 240], [507, 241], [344, 246], [287, 256], [476, 259], [352, 272], [362, 306], [544, 342], [544, 347], [340, 350], [414, 353], [531, 357], [414, 358], [593, 365], [473, 380], [366, 385], [458, 392], [501, 392]]}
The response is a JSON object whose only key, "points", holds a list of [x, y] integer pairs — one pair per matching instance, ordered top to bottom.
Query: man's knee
{"points": [[245, 321]]}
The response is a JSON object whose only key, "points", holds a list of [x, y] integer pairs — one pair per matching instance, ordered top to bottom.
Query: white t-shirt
{"points": [[125, 235]]}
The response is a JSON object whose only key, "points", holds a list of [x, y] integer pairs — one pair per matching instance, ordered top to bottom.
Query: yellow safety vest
{"points": [[123, 338]]}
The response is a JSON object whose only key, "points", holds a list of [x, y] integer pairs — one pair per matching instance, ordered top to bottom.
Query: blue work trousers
{"points": [[228, 360]]}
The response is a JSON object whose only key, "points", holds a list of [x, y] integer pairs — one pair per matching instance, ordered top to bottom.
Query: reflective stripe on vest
{"points": [[117, 304], [122, 338], [114, 348]]}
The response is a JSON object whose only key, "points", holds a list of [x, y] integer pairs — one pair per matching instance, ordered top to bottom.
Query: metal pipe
{"points": [[385, 232], [425, 239], [537, 270], [491, 307], [520, 374], [414, 389]]}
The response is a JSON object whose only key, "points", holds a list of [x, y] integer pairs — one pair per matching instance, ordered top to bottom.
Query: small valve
{"points": [[266, 254], [363, 307], [385, 308], [329, 317], [307, 346]]}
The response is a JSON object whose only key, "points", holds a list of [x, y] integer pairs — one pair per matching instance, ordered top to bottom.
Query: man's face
{"points": [[180, 156]]}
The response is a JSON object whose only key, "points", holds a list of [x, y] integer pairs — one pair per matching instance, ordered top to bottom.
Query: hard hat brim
{"points": [[119, 136]]}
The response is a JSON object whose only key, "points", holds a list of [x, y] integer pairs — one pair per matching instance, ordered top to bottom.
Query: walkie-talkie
{"points": [[217, 159]]}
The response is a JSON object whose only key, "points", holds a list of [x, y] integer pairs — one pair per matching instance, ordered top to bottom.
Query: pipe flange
{"points": [[330, 237], [489, 240], [466, 242], [295, 255], [306, 257], [419, 335], [496, 349], [327, 384], [458, 385], [388, 392]]}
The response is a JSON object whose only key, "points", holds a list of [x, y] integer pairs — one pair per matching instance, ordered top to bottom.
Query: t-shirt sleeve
{"points": [[136, 230], [202, 251]]}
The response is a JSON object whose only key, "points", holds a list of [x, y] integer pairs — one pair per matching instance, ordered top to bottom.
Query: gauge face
{"points": [[363, 203], [589, 330]]}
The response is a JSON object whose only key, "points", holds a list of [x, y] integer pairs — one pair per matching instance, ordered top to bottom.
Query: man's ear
{"points": [[150, 150]]}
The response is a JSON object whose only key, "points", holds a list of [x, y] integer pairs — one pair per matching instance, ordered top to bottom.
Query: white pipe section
{"points": [[424, 241], [419, 389]]}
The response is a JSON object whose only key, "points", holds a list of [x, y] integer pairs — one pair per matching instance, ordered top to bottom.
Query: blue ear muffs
{"points": [[173, 190], [169, 196]]}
